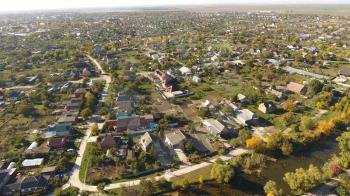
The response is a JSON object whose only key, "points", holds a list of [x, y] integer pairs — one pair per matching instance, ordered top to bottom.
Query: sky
{"points": [[27, 5]]}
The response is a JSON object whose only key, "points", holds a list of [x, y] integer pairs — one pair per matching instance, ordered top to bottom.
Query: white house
{"points": [[185, 71], [196, 79], [242, 98], [246, 117], [214, 126], [146, 141]]}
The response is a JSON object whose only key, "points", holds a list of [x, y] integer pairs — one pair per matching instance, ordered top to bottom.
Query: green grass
{"points": [[85, 162], [193, 177]]}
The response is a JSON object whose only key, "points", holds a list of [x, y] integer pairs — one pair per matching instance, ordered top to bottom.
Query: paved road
{"points": [[74, 173]]}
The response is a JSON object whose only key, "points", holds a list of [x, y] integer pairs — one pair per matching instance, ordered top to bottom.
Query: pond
{"points": [[245, 184]]}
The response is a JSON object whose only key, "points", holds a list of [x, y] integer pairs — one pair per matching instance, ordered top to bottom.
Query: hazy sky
{"points": [[16, 5]]}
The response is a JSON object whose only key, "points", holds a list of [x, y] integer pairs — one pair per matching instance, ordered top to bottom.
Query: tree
{"points": [[314, 87], [289, 105], [25, 109], [86, 112], [204, 112], [307, 123], [326, 127], [94, 129], [255, 143], [344, 146], [188, 147], [287, 148], [221, 171], [201, 179], [303, 180], [185, 184], [101, 187], [146, 187], [271, 188]]}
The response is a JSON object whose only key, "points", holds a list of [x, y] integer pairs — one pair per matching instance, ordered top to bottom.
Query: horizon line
{"points": [[76, 9]]}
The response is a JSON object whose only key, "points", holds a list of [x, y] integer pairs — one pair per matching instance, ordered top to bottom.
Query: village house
{"points": [[185, 71], [344, 73], [165, 79], [196, 79], [296, 88], [80, 92], [277, 93], [242, 98], [124, 103], [72, 104], [267, 107], [246, 117], [67, 119], [214, 126], [56, 130], [175, 139], [146, 141], [57, 142], [108, 142], [28, 163], [48, 172], [5, 176], [26, 185]]}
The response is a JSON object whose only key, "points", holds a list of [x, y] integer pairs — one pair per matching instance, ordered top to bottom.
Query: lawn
{"points": [[85, 162], [193, 177]]}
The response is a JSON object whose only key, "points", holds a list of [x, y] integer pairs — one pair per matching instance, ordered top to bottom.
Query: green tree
{"points": [[314, 87], [25, 109], [204, 112], [86, 113], [307, 123], [94, 129], [287, 148], [222, 172], [303, 180], [185, 184], [146, 187], [271, 188]]}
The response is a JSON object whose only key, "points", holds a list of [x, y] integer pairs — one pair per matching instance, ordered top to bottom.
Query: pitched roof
{"points": [[295, 87], [245, 115], [214, 124], [59, 127], [175, 137], [146, 139], [57, 142], [108, 142], [32, 162], [49, 169], [3, 175], [33, 181]]}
